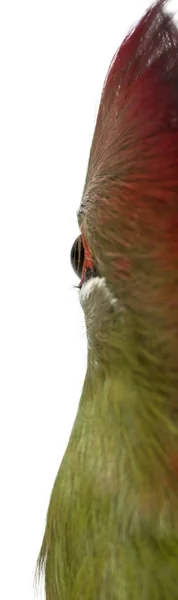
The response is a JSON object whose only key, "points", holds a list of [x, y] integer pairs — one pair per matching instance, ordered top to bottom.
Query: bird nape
{"points": [[111, 530]]}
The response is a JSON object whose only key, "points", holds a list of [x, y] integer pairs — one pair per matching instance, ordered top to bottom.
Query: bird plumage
{"points": [[112, 523]]}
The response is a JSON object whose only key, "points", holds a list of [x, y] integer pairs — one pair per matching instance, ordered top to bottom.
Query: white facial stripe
{"points": [[96, 282], [87, 288]]}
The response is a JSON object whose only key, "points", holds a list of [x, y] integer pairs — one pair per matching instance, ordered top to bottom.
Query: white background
{"points": [[53, 60]]}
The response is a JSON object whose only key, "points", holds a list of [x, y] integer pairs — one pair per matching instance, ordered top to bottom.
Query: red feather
{"points": [[130, 200]]}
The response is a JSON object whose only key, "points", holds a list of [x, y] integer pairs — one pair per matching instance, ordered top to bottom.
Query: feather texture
{"points": [[112, 523]]}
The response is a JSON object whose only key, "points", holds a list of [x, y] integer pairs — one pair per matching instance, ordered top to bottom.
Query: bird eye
{"points": [[77, 256]]}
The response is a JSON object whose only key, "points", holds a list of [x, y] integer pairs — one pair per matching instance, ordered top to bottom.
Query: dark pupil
{"points": [[77, 256]]}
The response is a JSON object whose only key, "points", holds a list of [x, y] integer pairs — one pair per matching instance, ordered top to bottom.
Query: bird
{"points": [[112, 523]]}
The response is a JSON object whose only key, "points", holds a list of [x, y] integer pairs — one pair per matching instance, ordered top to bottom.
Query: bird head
{"points": [[127, 252]]}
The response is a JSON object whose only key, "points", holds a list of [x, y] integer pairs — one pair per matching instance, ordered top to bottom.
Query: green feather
{"points": [[112, 523], [111, 528]]}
